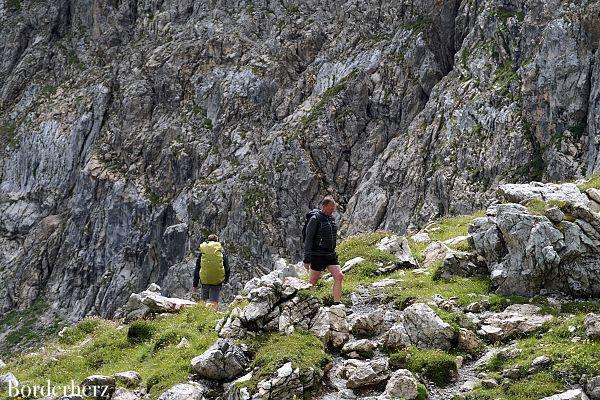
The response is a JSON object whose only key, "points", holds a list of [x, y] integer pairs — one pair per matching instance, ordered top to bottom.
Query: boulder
{"points": [[560, 192], [421, 237], [398, 246], [436, 251], [528, 254], [460, 263], [150, 301], [298, 313], [516, 320], [368, 324], [331, 326], [592, 326], [426, 329], [396, 337], [468, 341], [359, 348], [223, 361], [540, 363], [2, 364], [366, 373], [129, 379], [284, 384], [402, 385], [99, 386], [592, 388], [184, 391], [125, 394], [574, 394]]}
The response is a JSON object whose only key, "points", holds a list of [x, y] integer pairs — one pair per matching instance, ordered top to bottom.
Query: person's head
{"points": [[328, 205], [213, 238]]}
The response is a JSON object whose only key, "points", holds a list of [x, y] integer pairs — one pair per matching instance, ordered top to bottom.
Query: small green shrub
{"points": [[140, 331], [77, 333], [167, 338], [302, 349], [436, 365]]}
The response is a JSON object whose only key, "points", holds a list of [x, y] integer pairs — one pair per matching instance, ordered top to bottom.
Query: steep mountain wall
{"points": [[131, 128]]}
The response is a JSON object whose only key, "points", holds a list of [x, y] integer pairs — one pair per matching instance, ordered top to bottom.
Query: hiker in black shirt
{"points": [[319, 246]]}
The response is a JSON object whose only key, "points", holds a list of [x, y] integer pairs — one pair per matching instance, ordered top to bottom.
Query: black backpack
{"points": [[308, 216]]}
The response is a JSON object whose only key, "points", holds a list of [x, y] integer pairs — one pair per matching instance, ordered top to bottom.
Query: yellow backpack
{"points": [[212, 270]]}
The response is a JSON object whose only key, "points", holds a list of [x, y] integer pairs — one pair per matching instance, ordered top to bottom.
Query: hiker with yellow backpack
{"points": [[212, 270]]}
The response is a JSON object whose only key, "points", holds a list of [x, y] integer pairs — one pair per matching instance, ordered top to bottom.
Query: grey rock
{"points": [[143, 161], [563, 192], [398, 246], [527, 254], [460, 263], [150, 301], [515, 320], [367, 324], [331, 326], [592, 326], [426, 329], [396, 337], [468, 341], [360, 348], [223, 361], [540, 363], [2, 364], [366, 373], [130, 379], [287, 382], [402, 384], [99, 386], [592, 388], [184, 391], [125, 394], [573, 394]]}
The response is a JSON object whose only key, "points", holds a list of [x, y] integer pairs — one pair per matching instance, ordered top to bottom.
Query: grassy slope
{"points": [[98, 346]]}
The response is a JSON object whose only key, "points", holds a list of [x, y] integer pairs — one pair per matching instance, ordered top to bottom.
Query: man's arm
{"points": [[311, 230], [226, 266], [197, 271]]}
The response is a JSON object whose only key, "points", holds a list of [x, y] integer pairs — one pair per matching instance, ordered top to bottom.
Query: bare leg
{"points": [[314, 277], [338, 278], [213, 304]]}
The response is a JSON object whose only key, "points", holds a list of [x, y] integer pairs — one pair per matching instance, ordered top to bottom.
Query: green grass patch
{"points": [[8, 133], [592, 183], [451, 227], [423, 287], [25, 329], [140, 331], [77, 333], [302, 349], [110, 350], [570, 360], [438, 366]]}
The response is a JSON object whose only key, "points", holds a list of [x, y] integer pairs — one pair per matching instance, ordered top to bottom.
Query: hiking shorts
{"points": [[320, 263], [211, 292]]}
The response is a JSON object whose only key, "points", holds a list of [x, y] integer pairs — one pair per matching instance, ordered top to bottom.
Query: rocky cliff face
{"points": [[130, 129]]}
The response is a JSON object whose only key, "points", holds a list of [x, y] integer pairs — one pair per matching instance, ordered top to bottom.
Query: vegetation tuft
{"points": [[302, 349], [436, 365]]}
